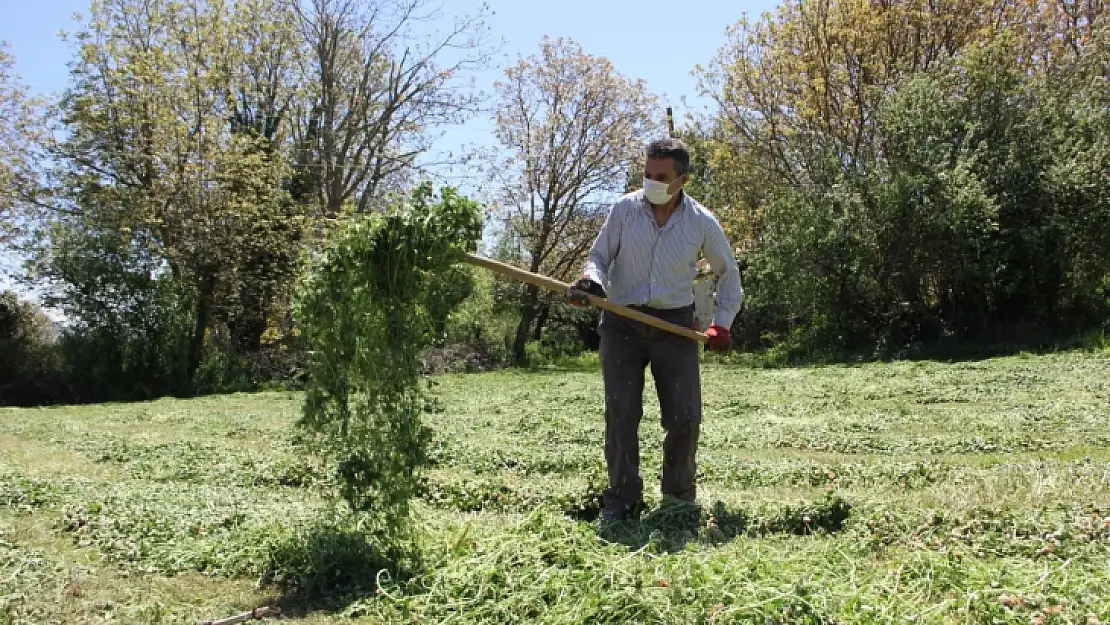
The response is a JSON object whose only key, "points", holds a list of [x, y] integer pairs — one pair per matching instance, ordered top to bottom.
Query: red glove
{"points": [[719, 338]]}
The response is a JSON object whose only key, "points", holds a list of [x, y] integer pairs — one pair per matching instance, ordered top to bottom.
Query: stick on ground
{"points": [[256, 613]]}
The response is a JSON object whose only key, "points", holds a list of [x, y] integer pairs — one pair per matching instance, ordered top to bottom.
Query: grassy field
{"points": [[975, 492]]}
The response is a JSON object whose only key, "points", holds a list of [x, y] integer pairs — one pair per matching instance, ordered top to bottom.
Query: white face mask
{"points": [[656, 192]]}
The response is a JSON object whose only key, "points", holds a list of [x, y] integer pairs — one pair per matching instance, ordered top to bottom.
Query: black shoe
{"points": [[623, 514]]}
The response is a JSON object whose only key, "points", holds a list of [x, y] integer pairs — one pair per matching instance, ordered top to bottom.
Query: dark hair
{"points": [[671, 148]]}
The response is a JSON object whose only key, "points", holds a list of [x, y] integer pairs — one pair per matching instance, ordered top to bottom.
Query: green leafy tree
{"points": [[1076, 107], [22, 134], [215, 135], [172, 149], [896, 171], [27, 340]]}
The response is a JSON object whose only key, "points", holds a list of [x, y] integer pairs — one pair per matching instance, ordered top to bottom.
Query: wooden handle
{"points": [[561, 287]]}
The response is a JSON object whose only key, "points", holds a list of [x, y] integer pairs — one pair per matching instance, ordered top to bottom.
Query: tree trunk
{"points": [[203, 312], [527, 315], [541, 320], [440, 322], [248, 326], [248, 330], [587, 332]]}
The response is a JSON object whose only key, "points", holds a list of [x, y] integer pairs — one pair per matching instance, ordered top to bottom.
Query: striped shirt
{"points": [[639, 263]]}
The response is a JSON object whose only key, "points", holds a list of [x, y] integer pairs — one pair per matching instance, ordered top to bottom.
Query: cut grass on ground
{"points": [[915, 492]]}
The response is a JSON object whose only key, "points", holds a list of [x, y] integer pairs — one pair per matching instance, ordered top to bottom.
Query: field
{"points": [[914, 492]]}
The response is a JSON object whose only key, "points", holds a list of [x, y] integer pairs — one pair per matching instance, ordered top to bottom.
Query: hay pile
{"points": [[364, 313]]}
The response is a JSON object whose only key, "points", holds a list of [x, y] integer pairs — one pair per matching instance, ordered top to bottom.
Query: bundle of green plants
{"points": [[366, 311]]}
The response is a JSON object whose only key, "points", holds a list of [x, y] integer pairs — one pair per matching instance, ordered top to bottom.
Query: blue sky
{"points": [[660, 41]]}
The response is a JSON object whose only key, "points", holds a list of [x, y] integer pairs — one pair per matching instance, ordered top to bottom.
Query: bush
{"points": [[980, 219], [479, 331], [137, 352], [30, 363]]}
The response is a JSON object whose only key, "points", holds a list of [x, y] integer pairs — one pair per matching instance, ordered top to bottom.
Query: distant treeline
{"points": [[897, 177]]}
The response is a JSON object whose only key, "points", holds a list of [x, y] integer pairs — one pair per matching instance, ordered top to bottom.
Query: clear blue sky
{"points": [[659, 41]]}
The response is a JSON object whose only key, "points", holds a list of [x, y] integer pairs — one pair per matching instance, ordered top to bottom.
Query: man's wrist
{"points": [[592, 272], [722, 322]]}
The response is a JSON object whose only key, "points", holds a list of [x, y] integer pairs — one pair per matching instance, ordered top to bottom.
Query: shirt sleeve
{"points": [[604, 248], [730, 292]]}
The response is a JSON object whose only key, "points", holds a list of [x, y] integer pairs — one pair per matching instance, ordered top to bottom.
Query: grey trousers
{"points": [[627, 348]]}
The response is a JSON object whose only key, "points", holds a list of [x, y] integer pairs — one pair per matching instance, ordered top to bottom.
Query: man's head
{"points": [[666, 169]]}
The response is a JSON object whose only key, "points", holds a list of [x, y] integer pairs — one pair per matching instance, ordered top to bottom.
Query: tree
{"points": [[799, 89], [265, 90], [799, 92], [373, 93], [571, 127], [21, 133], [210, 143], [160, 163], [906, 171], [722, 179], [27, 338]]}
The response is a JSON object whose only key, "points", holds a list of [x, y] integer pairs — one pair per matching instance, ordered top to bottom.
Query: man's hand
{"points": [[578, 291], [719, 339]]}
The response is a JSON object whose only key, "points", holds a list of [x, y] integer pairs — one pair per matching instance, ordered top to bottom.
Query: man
{"points": [[645, 258]]}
